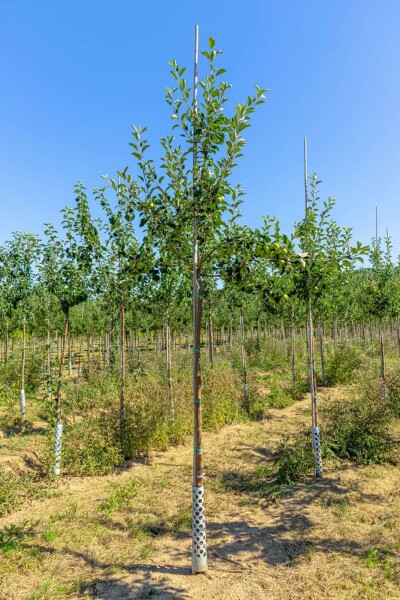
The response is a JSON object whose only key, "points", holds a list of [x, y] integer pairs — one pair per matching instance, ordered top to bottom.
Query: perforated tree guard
{"points": [[246, 393], [22, 402], [316, 441], [57, 449], [199, 544]]}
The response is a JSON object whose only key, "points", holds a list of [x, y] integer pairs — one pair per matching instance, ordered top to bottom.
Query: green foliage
{"points": [[169, 199], [325, 247], [66, 262], [17, 278], [379, 290], [273, 358], [341, 364], [10, 376], [299, 390], [392, 391], [222, 393], [280, 396], [15, 424], [358, 429], [91, 438], [91, 447], [293, 458], [16, 488], [120, 497], [11, 536]]}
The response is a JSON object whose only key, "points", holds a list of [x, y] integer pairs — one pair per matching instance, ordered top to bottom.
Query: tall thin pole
{"points": [[305, 177], [376, 228], [195, 243], [315, 434], [199, 547]]}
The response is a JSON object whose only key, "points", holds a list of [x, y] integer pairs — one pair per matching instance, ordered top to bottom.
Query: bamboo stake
{"points": [[316, 444]]}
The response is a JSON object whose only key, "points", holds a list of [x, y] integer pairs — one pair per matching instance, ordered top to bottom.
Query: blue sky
{"points": [[76, 75]]}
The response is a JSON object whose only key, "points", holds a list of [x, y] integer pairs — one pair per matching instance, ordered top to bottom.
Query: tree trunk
{"points": [[334, 331], [210, 338], [293, 340], [6, 345], [321, 351], [381, 351], [69, 356], [80, 358], [168, 361], [244, 366], [48, 367], [58, 401], [22, 402], [122, 407], [314, 411], [199, 551]]}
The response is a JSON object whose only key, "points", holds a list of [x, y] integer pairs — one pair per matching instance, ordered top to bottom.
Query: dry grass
{"points": [[128, 535]]}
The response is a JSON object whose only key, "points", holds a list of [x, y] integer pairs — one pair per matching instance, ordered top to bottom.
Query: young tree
{"points": [[184, 206], [325, 249], [123, 261], [65, 269], [17, 283], [379, 290]]}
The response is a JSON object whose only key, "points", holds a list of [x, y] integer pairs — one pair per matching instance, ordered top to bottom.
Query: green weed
{"points": [[120, 497]]}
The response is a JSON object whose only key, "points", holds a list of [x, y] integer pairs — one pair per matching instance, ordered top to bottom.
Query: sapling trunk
{"points": [[334, 331], [283, 333], [398, 336], [210, 338], [111, 341], [293, 344], [6, 345], [58, 346], [381, 351], [322, 353], [69, 356], [308, 357], [80, 358], [169, 365], [244, 366], [48, 367], [58, 400], [22, 402], [122, 407], [316, 443], [199, 544], [199, 550]]}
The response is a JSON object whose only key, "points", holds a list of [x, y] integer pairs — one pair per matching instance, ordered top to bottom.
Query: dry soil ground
{"points": [[127, 535]]}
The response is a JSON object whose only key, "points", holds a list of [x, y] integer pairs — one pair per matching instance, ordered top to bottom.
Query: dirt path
{"points": [[128, 535]]}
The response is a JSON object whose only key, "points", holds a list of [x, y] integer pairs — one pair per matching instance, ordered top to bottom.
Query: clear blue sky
{"points": [[76, 75]]}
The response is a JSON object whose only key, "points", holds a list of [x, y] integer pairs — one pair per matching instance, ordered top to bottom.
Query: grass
{"points": [[18, 488], [120, 497], [109, 527]]}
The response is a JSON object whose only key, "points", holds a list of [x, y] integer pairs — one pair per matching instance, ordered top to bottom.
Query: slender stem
{"points": [[60, 369]]}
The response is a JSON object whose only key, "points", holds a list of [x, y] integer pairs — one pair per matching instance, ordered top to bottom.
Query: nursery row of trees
{"points": [[169, 254]]}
